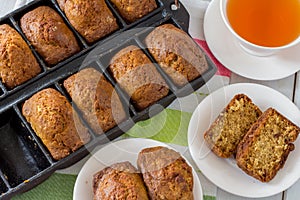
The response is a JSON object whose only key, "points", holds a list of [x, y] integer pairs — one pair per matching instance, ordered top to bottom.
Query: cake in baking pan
{"points": [[132, 10], [92, 19], [49, 35], [176, 52], [17, 62], [138, 77], [96, 98], [52, 118]]}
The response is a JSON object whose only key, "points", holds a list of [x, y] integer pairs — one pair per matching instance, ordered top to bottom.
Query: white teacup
{"points": [[249, 47]]}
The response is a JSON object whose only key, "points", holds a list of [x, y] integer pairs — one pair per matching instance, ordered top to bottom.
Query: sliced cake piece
{"points": [[231, 125], [266, 146]]}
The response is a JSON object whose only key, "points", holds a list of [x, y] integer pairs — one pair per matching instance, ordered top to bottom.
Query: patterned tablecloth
{"points": [[170, 126]]}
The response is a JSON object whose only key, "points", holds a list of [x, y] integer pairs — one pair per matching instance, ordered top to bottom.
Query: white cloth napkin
{"points": [[20, 3], [9, 5], [196, 9]]}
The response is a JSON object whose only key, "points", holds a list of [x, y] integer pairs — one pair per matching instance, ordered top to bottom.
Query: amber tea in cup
{"points": [[269, 24]]}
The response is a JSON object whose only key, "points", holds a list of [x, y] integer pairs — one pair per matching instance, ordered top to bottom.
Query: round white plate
{"points": [[228, 51], [122, 150], [224, 172]]}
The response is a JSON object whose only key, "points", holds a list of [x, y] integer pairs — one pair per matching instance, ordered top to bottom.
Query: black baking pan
{"points": [[24, 161]]}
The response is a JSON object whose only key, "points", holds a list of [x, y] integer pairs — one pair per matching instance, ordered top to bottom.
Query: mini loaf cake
{"points": [[132, 10], [92, 19], [49, 35], [178, 55], [17, 63], [135, 73], [96, 98], [52, 118], [231, 125], [265, 148], [166, 174], [120, 181]]}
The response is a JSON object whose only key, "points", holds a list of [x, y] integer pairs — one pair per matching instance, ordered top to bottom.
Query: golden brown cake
{"points": [[132, 10], [92, 19], [49, 35], [176, 52], [17, 63], [135, 73], [96, 98], [52, 118], [231, 125], [265, 148], [166, 174], [120, 181]]}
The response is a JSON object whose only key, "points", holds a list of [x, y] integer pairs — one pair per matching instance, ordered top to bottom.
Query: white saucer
{"points": [[228, 51], [119, 151], [224, 172]]}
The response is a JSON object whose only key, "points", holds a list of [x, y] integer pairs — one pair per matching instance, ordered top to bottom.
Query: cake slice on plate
{"points": [[231, 125], [265, 148]]}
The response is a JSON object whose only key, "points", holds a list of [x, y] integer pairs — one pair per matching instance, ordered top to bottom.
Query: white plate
{"points": [[227, 50], [122, 150], [224, 172]]}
